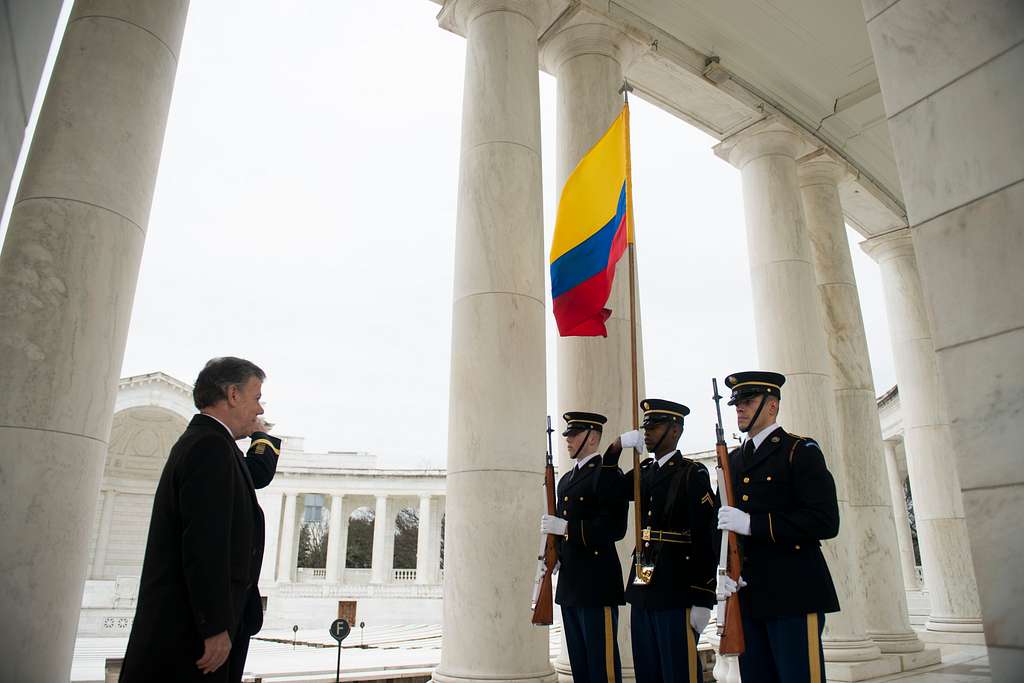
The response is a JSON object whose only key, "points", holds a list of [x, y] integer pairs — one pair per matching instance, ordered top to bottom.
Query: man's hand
{"points": [[261, 425], [633, 439], [734, 519], [549, 524], [727, 587], [699, 618], [215, 652]]}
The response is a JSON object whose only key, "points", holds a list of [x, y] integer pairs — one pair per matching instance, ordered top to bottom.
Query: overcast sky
{"points": [[304, 218]]}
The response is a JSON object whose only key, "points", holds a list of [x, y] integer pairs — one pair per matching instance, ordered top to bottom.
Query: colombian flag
{"points": [[592, 228]]}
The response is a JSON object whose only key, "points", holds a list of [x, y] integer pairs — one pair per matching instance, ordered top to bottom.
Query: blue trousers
{"points": [[592, 645], [665, 646], [783, 649]]}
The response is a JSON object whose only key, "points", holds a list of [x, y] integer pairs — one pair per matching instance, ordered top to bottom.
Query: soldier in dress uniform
{"points": [[786, 505], [591, 518], [671, 603]]}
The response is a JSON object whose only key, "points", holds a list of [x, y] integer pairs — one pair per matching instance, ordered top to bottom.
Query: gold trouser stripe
{"points": [[276, 452], [771, 532], [609, 644], [691, 649], [813, 649]]}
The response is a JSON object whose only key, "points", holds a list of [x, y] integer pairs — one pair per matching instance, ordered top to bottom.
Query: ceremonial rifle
{"points": [[548, 557], [727, 612]]}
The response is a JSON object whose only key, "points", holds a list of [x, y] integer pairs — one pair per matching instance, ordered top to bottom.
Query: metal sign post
{"points": [[295, 631], [339, 631]]}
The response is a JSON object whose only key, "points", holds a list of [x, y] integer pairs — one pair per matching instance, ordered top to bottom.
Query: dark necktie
{"points": [[748, 451]]}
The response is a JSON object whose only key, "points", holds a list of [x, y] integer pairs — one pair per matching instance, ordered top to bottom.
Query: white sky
{"points": [[304, 218]]}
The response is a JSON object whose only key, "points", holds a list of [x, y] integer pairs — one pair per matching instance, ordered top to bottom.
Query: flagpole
{"points": [[632, 325]]}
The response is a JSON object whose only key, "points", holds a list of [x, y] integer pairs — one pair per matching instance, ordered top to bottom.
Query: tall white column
{"points": [[950, 79], [68, 272], [790, 335], [594, 373], [497, 397], [931, 463], [271, 502], [899, 509], [336, 540], [288, 548], [99, 559], [423, 559], [876, 561], [380, 568]]}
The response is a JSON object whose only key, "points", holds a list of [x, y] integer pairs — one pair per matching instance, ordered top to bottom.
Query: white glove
{"points": [[633, 439], [734, 519], [549, 524], [558, 565], [727, 586], [699, 618]]}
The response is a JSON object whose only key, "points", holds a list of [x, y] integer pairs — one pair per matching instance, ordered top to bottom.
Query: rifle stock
{"points": [[543, 608], [730, 628]]}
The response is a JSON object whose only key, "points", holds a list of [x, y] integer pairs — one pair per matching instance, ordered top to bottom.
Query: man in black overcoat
{"points": [[785, 506], [590, 517], [198, 601]]}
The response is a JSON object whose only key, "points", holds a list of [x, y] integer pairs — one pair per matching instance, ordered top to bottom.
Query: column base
{"points": [[954, 624], [951, 637], [897, 643], [858, 650], [917, 660], [862, 671], [484, 677]]}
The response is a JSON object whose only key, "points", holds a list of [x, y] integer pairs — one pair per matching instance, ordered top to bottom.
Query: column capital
{"points": [[457, 15], [588, 33], [772, 136], [821, 167], [888, 246]]}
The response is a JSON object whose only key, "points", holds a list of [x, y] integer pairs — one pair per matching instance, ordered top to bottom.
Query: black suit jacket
{"points": [[790, 495], [676, 498], [203, 555], [590, 574]]}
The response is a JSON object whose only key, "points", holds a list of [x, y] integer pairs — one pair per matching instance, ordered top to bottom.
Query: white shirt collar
{"points": [[233, 438], [759, 438], [665, 458], [580, 462]]}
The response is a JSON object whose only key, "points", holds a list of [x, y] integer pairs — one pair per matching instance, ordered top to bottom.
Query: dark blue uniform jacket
{"points": [[790, 495], [590, 574]]}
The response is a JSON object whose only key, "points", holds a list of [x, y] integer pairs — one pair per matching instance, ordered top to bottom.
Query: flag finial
{"points": [[625, 90]]}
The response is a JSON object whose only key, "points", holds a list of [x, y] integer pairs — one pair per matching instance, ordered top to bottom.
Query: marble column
{"points": [[950, 79], [68, 272], [791, 339], [594, 373], [497, 393], [931, 462], [271, 502], [870, 517], [337, 538], [288, 548], [99, 559], [423, 559], [908, 564], [379, 566]]}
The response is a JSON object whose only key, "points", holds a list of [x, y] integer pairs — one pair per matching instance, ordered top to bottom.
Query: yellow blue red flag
{"points": [[592, 229]]}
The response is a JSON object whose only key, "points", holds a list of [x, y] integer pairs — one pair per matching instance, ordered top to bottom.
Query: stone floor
{"points": [[412, 651]]}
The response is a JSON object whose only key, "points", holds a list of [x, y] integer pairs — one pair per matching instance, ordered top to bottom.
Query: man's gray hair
{"points": [[219, 375]]}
